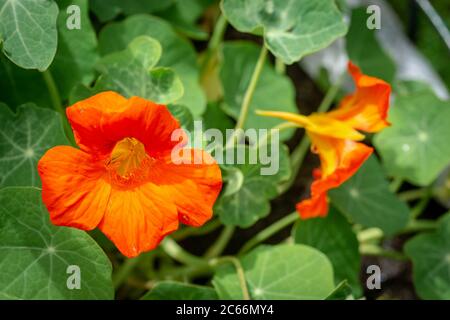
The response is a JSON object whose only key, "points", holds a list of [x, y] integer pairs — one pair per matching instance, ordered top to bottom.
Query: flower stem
{"points": [[214, 42], [280, 67], [251, 88], [56, 102], [396, 184], [411, 195], [420, 225], [191, 231], [269, 231], [217, 248], [374, 250], [179, 254], [125, 269], [239, 270]]}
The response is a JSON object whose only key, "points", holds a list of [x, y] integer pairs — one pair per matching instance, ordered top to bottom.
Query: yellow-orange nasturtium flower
{"points": [[334, 137], [122, 179]]}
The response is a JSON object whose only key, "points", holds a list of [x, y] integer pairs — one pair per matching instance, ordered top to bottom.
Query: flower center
{"points": [[128, 159]]}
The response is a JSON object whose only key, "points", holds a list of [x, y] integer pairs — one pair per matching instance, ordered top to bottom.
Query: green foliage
{"points": [[291, 29], [28, 32], [179, 55], [132, 72], [273, 91], [25, 137], [416, 146], [248, 191], [366, 199], [333, 236], [430, 254], [36, 266], [280, 272], [170, 290]]}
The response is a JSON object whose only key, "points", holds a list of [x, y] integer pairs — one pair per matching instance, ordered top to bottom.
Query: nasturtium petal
{"points": [[291, 29], [28, 32], [178, 53], [132, 72], [273, 91], [24, 138], [416, 146], [366, 199], [248, 200], [333, 235], [430, 254], [41, 261], [281, 272], [172, 290]]}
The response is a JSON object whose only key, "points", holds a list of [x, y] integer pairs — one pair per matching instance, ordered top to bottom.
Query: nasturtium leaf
{"points": [[107, 10], [183, 14], [291, 29], [28, 32], [77, 48], [364, 50], [178, 54], [133, 72], [19, 86], [273, 91], [183, 115], [215, 117], [24, 138], [416, 146], [366, 199], [249, 201], [333, 235], [430, 254], [41, 261], [285, 272], [171, 290], [343, 291]]}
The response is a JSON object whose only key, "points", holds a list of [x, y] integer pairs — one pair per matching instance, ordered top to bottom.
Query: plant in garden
{"points": [[196, 215]]}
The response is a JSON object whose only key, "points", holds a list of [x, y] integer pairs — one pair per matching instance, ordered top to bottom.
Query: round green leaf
{"points": [[108, 10], [291, 29], [28, 32], [178, 54], [132, 72], [273, 91], [25, 137], [415, 147], [366, 199], [248, 201], [334, 236], [430, 254], [35, 255], [287, 272], [171, 290]]}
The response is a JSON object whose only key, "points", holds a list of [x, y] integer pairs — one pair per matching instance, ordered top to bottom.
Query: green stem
{"points": [[214, 42], [280, 67], [251, 88], [53, 91], [330, 95], [56, 102], [396, 184], [411, 195], [421, 206], [420, 225], [191, 231], [269, 231], [370, 234], [217, 248], [172, 249], [374, 250], [239, 270], [124, 271]]}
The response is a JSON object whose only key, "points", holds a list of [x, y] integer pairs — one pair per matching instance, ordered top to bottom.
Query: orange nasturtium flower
{"points": [[334, 137], [122, 179]]}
